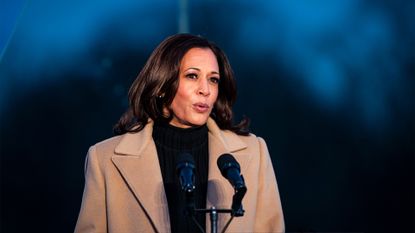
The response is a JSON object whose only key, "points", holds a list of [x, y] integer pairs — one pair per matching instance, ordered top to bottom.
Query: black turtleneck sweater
{"points": [[170, 141]]}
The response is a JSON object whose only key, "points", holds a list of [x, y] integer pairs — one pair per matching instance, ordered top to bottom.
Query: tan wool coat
{"points": [[124, 190]]}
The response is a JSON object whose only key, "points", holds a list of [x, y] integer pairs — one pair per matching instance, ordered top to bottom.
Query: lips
{"points": [[201, 107]]}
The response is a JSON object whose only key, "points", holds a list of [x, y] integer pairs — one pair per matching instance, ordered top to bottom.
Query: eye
{"points": [[191, 76], [214, 80]]}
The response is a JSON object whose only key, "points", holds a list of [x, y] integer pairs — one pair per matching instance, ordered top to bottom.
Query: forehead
{"points": [[199, 58]]}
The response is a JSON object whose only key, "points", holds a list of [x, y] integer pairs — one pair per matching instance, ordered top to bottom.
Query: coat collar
{"points": [[135, 143], [135, 157]]}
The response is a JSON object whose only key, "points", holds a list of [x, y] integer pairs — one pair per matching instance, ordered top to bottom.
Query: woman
{"points": [[180, 102]]}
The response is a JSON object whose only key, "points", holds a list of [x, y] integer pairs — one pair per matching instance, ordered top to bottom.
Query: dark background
{"points": [[328, 84]]}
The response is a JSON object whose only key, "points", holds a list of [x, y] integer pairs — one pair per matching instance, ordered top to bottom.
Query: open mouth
{"points": [[201, 107]]}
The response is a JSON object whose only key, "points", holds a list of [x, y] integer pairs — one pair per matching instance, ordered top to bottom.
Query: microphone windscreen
{"points": [[184, 159], [227, 161]]}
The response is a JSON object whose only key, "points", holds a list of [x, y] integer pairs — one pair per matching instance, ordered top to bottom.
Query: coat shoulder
{"points": [[251, 139], [251, 143], [108, 144]]}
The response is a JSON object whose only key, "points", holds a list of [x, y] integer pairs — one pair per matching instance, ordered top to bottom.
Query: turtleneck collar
{"points": [[180, 139]]}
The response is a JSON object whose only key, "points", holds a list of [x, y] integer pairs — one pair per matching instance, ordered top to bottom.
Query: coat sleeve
{"points": [[92, 216], [269, 216]]}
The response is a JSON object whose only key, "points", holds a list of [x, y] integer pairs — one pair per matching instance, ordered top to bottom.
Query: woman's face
{"points": [[198, 88]]}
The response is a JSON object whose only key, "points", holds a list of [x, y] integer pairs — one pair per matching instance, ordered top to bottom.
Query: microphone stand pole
{"points": [[236, 211], [213, 213], [213, 220]]}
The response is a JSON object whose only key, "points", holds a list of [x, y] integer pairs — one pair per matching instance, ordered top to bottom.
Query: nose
{"points": [[204, 88]]}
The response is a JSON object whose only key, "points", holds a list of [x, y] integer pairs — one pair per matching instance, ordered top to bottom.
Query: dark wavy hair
{"points": [[156, 86]]}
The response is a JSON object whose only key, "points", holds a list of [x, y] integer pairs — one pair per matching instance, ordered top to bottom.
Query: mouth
{"points": [[201, 107]]}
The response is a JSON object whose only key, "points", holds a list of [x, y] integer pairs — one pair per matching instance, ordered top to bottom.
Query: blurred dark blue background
{"points": [[330, 85]]}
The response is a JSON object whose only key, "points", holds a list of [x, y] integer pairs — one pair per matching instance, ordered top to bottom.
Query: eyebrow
{"points": [[194, 68]]}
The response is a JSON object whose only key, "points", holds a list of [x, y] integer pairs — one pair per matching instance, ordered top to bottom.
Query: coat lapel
{"points": [[136, 159]]}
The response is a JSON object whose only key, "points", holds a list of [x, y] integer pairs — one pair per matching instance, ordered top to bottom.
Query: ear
{"points": [[166, 112]]}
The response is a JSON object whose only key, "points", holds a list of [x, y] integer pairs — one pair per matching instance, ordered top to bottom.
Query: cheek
{"points": [[183, 91], [215, 95], [183, 96], [180, 100]]}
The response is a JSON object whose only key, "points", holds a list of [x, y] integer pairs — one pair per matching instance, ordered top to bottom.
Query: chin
{"points": [[199, 121]]}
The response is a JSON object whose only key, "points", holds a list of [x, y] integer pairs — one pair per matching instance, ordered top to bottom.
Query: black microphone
{"points": [[185, 167], [231, 170]]}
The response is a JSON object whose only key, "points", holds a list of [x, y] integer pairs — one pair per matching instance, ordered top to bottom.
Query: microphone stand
{"points": [[236, 211], [213, 213]]}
